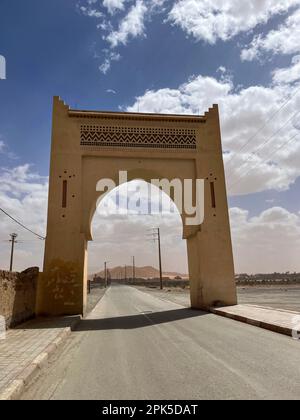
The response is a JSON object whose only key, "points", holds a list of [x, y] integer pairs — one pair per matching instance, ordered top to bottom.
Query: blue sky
{"points": [[49, 48], [163, 56]]}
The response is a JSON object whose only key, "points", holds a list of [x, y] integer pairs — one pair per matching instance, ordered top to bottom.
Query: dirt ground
{"points": [[279, 297], [93, 298]]}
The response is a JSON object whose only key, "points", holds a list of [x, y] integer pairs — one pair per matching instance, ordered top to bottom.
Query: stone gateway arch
{"points": [[88, 146]]}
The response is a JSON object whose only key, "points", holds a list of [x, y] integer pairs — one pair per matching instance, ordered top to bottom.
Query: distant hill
{"points": [[147, 272]]}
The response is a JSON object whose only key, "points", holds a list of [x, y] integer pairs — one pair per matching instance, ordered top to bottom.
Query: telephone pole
{"points": [[156, 237], [13, 242], [159, 254], [133, 268], [125, 271], [105, 273]]}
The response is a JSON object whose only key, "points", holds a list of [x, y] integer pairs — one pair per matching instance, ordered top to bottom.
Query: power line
{"points": [[264, 125], [269, 138], [266, 160], [23, 226], [23, 241]]}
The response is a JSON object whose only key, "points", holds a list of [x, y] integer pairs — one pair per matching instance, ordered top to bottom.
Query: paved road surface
{"points": [[137, 346]]}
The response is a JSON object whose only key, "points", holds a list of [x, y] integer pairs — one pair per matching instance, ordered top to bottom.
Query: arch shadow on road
{"points": [[144, 319]]}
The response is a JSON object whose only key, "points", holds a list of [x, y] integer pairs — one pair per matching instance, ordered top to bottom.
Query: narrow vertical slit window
{"points": [[64, 194], [213, 195]]}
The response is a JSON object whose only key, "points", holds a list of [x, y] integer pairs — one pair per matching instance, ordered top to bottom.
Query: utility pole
{"points": [[156, 237], [13, 242], [160, 264], [133, 268], [105, 273], [125, 273], [89, 287]]}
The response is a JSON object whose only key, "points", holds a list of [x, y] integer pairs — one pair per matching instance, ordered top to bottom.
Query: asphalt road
{"points": [[137, 346]]}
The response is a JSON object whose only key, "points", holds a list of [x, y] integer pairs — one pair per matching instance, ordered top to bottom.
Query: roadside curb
{"points": [[254, 322], [16, 387]]}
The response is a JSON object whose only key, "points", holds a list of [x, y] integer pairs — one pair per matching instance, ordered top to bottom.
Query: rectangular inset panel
{"points": [[161, 138], [64, 194], [213, 195]]}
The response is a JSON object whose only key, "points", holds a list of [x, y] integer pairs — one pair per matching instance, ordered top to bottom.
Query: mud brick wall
{"points": [[18, 295]]}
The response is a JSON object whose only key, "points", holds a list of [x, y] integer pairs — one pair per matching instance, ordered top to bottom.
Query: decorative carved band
{"points": [[162, 138]]}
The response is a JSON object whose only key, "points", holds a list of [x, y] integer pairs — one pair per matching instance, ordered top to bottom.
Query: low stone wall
{"points": [[18, 295]]}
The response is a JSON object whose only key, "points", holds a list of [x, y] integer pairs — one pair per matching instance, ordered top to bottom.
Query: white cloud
{"points": [[113, 5], [91, 12], [202, 19], [223, 19], [131, 26], [120, 30], [283, 40], [110, 57], [105, 66], [221, 70], [289, 74], [242, 113], [4, 150], [23, 194], [111, 231], [117, 239], [266, 243]]}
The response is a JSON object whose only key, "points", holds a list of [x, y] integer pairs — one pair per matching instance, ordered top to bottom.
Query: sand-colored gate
{"points": [[88, 146]]}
